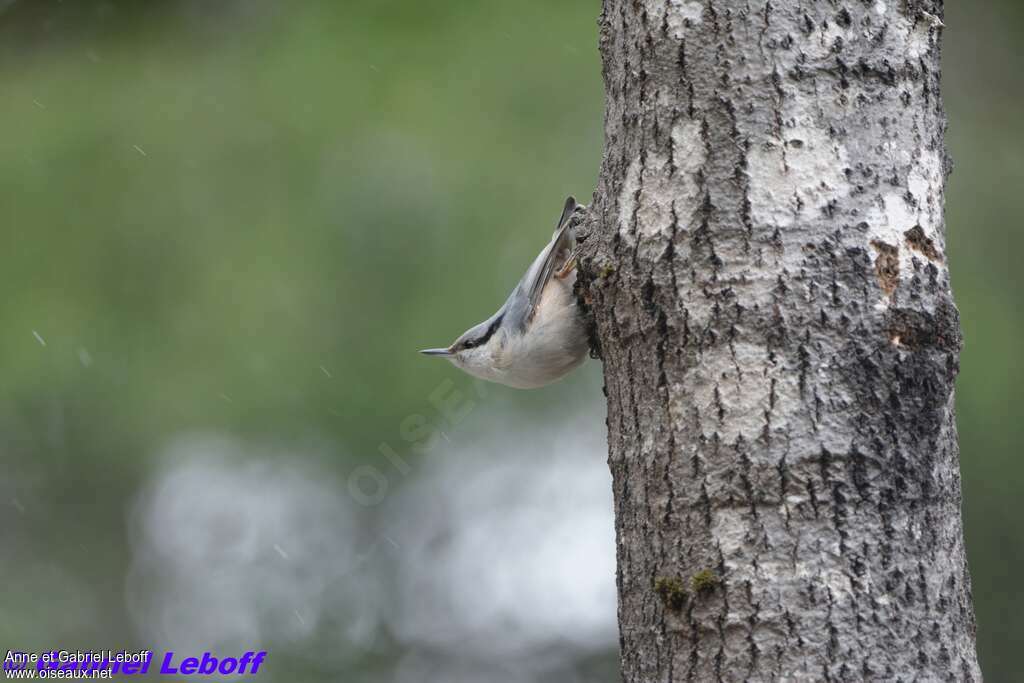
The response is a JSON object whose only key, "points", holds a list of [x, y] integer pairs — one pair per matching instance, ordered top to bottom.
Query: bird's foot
{"points": [[570, 265]]}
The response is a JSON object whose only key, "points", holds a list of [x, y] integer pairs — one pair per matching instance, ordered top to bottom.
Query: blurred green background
{"points": [[245, 217]]}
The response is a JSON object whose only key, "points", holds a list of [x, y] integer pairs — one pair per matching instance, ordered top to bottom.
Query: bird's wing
{"points": [[567, 211], [549, 258], [543, 267]]}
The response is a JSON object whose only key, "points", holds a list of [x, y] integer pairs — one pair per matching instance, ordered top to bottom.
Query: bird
{"points": [[539, 334]]}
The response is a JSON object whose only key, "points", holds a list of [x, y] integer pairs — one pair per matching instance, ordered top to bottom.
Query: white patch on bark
{"points": [[880, 8], [683, 14], [916, 35], [688, 156], [795, 179], [924, 182], [661, 183], [656, 193], [627, 198], [889, 221], [744, 400], [729, 530], [838, 583]]}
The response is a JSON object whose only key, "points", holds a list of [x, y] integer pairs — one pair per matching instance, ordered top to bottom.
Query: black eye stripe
{"points": [[491, 330], [479, 341]]}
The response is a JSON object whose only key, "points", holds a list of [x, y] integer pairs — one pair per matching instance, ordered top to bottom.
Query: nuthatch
{"points": [[538, 335]]}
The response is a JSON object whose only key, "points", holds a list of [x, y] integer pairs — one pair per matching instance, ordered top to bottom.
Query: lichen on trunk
{"points": [[765, 264]]}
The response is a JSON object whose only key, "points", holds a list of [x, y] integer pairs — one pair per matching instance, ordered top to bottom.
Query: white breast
{"points": [[555, 342]]}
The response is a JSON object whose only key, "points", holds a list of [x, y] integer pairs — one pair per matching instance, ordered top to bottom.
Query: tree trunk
{"points": [[765, 263]]}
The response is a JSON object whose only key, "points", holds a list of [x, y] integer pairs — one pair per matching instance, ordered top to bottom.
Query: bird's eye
{"points": [[470, 343]]}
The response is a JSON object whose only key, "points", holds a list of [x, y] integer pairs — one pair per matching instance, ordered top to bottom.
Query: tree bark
{"points": [[765, 264]]}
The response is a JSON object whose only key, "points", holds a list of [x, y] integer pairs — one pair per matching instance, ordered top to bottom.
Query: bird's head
{"points": [[475, 350]]}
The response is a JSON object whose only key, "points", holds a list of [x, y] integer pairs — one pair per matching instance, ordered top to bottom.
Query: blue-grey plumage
{"points": [[538, 335]]}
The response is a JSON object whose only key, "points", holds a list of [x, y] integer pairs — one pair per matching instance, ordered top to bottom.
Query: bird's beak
{"points": [[436, 352]]}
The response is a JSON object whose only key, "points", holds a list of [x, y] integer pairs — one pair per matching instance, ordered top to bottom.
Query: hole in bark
{"points": [[917, 240], [887, 265]]}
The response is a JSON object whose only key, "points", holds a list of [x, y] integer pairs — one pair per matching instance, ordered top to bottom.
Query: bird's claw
{"points": [[568, 267]]}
